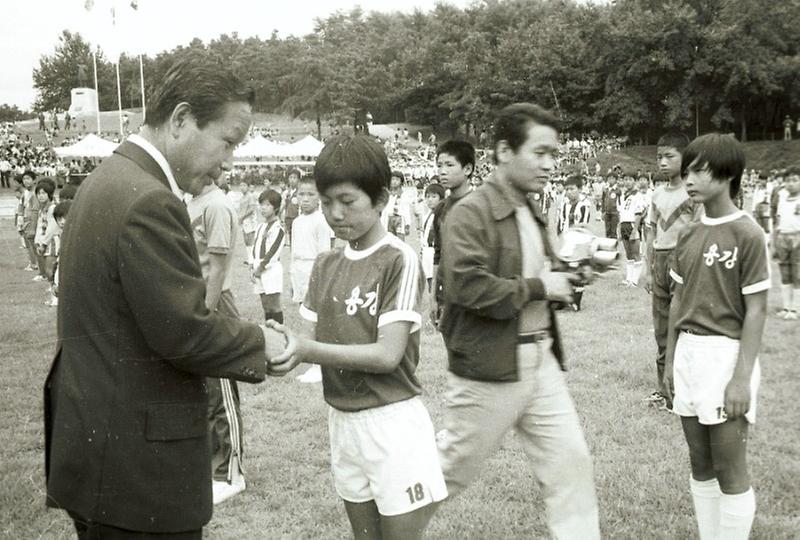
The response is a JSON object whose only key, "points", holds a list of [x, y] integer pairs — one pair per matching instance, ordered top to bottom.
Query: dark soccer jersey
{"points": [[719, 261], [350, 295]]}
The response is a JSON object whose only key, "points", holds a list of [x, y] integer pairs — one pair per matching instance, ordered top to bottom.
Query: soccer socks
{"points": [[629, 271], [636, 272], [787, 295], [796, 300], [706, 498], [736, 515]]}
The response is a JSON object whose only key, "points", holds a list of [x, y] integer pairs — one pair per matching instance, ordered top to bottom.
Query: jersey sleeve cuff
{"points": [[674, 275], [757, 287], [307, 314], [401, 315]]}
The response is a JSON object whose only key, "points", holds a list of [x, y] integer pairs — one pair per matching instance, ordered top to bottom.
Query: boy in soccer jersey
{"points": [[631, 206], [671, 210], [574, 212], [787, 245], [267, 270], [721, 270], [362, 309]]}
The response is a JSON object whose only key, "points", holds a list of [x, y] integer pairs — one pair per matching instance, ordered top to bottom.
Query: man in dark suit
{"points": [[126, 433]]}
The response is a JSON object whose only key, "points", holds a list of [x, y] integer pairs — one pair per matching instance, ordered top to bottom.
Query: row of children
{"points": [[39, 220]]}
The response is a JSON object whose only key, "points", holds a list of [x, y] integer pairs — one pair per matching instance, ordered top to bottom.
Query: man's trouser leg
{"points": [[662, 295], [479, 414], [225, 421], [552, 437]]}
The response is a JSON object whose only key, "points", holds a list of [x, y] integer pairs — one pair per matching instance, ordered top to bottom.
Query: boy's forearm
{"points": [[216, 279], [672, 331], [750, 343], [368, 357]]}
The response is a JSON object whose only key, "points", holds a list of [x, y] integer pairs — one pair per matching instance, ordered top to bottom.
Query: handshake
{"points": [[282, 348]]}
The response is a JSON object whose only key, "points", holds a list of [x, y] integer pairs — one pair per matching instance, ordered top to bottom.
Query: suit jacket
{"points": [[126, 431]]}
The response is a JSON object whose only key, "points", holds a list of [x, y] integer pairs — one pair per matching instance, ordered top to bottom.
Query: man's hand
{"points": [[558, 286], [274, 343], [280, 365], [668, 380], [737, 397]]}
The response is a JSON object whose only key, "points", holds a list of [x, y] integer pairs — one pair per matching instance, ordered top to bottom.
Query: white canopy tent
{"points": [[89, 146], [259, 146], [307, 146]]}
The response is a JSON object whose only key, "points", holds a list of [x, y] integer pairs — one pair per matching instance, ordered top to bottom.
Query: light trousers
{"points": [[539, 407]]}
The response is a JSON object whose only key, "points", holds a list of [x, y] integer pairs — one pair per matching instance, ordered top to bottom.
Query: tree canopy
{"points": [[630, 67]]}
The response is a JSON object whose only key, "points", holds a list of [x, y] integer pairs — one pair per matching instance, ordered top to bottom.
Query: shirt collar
{"points": [[145, 145], [503, 203]]}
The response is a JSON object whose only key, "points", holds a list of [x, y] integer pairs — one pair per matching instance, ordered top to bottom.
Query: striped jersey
{"points": [[572, 215], [266, 257], [719, 261], [352, 294]]}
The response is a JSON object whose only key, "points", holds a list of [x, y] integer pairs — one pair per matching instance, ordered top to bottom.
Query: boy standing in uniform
{"points": [[609, 206], [631, 206], [671, 210], [574, 212], [214, 222], [787, 245], [720, 267], [267, 268], [383, 449]]}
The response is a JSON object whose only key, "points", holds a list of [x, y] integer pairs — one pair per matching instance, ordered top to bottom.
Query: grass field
{"points": [[641, 463]]}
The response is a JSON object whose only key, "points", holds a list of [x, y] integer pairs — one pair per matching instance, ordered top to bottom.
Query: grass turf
{"points": [[641, 460]]}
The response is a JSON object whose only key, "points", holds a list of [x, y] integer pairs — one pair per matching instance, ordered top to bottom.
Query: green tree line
{"points": [[629, 67]]}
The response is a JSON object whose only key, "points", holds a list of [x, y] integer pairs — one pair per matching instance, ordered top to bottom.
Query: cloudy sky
{"points": [[30, 28]]}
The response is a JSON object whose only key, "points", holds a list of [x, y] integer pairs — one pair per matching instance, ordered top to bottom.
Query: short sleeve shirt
{"points": [[671, 210], [213, 218], [719, 261], [352, 294]]}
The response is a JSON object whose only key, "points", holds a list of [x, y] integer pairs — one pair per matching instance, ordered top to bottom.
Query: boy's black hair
{"points": [[511, 124], [675, 140], [463, 151], [722, 154], [358, 159], [793, 170], [27, 172], [297, 172], [398, 174], [574, 180], [47, 185], [436, 189], [67, 192], [272, 197], [61, 209]]}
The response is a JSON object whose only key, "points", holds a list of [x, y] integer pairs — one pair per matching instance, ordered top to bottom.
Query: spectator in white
{"points": [[396, 215]]}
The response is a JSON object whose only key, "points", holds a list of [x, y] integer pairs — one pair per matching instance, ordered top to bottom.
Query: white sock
{"points": [[629, 271], [636, 272], [786, 295], [796, 300], [706, 496], [736, 515]]}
